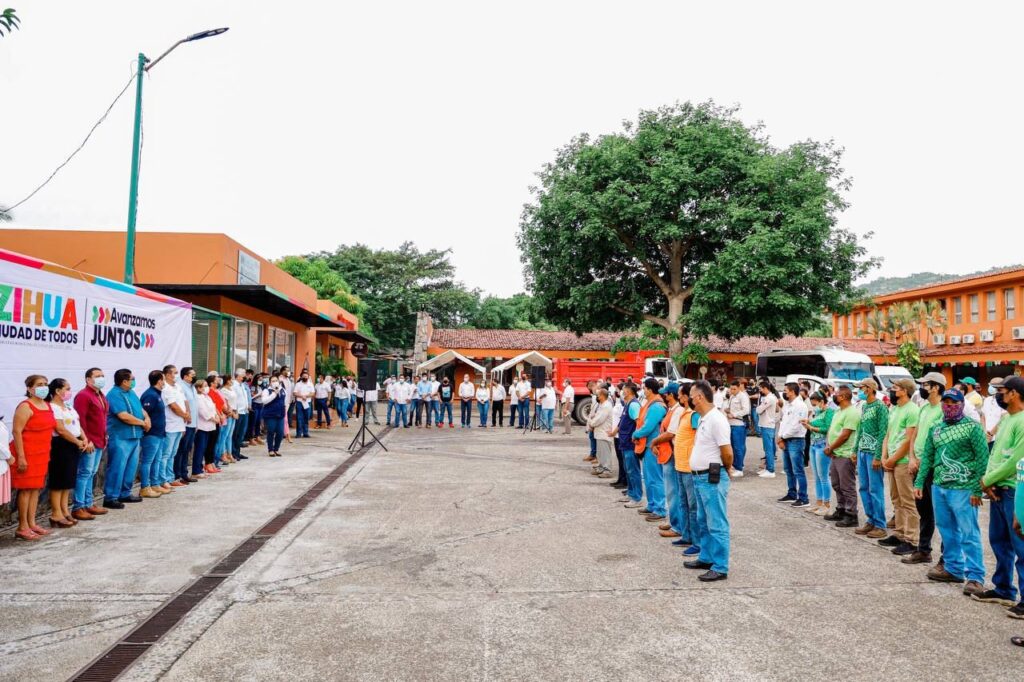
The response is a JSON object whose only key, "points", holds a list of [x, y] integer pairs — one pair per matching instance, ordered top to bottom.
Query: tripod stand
{"points": [[534, 423], [361, 435]]}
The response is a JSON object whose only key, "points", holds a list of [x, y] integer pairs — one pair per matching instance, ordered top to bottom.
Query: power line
{"points": [[67, 160]]}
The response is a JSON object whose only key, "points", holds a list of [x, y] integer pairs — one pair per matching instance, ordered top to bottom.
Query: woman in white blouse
{"points": [[68, 443]]}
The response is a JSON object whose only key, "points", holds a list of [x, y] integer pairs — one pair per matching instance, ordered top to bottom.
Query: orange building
{"points": [[247, 312], [984, 336]]}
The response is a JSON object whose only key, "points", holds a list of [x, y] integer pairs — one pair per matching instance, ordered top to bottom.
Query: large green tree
{"points": [[691, 220], [395, 284], [329, 285], [519, 311]]}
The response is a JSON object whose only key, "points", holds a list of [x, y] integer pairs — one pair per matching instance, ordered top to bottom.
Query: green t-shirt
{"points": [[931, 416], [848, 418], [901, 418], [874, 419], [1007, 450], [957, 453]]}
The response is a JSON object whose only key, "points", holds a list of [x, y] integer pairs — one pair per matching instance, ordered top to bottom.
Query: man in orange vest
{"points": [[649, 427], [663, 452]]}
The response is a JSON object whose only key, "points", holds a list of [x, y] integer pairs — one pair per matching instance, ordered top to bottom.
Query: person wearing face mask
{"points": [[260, 382], [932, 386], [303, 393], [402, 393], [466, 393], [446, 394], [343, 395], [273, 400], [483, 402], [548, 402], [568, 402], [243, 404], [497, 404], [91, 405], [991, 412], [176, 418], [903, 418], [127, 422], [874, 422], [34, 424], [817, 424], [206, 431], [842, 434], [68, 444], [956, 453], [183, 458], [151, 464], [1000, 484]]}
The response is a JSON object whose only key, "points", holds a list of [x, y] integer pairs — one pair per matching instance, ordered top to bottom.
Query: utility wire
{"points": [[67, 160]]}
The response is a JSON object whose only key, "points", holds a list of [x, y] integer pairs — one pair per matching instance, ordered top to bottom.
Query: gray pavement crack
{"points": [[41, 597], [17, 646]]}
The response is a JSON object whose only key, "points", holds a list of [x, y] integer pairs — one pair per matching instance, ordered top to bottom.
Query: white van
{"points": [[824, 362], [887, 375]]}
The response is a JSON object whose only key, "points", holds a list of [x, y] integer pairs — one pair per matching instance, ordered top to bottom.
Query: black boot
{"points": [[835, 515], [849, 521]]}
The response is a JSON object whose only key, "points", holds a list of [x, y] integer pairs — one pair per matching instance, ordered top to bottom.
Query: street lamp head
{"points": [[205, 34]]}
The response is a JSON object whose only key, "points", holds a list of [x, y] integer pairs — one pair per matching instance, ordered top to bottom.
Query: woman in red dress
{"points": [[33, 428]]}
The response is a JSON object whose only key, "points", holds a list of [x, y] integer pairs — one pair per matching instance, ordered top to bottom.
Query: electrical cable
{"points": [[67, 160]]}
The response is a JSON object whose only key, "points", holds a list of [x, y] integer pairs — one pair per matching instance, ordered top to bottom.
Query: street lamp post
{"points": [[133, 188]]}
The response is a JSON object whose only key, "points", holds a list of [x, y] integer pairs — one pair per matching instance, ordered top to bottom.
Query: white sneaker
{"points": [[735, 473], [766, 474], [633, 505]]}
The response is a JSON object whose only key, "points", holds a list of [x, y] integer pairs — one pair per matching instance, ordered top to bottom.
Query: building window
{"points": [[1010, 303], [990, 305], [958, 310], [975, 312], [856, 323], [848, 325], [248, 344], [282, 349]]}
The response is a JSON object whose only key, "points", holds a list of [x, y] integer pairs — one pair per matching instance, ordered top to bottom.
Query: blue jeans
{"points": [[435, 405], [445, 407], [322, 409], [391, 409], [481, 409], [343, 410], [465, 413], [524, 413], [302, 414], [401, 414], [548, 417], [754, 420], [275, 433], [238, 435], [224, 439], [738, 439], [768, 441], [593, 444], [199, 450], [183, 458], [122, 463], [821, 463], [149, 467], [164, 472], [796, 477], [634, 479], [85, 483], [654, 483], [871, 483], [688, 499], [673, 500], [713, 521], [957, 522], [1008, 548]]}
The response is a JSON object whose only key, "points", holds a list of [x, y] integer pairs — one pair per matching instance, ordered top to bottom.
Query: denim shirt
{"points": [[123, 401]]}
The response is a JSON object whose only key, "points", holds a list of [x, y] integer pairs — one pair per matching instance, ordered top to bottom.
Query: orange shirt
{"points": [[683, 443]]}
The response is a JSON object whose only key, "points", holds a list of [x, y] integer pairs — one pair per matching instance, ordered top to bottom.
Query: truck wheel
{"points": [[581, 412]]}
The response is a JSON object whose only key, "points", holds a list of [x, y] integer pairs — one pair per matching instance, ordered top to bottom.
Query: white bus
{"points": [[825, 362]]}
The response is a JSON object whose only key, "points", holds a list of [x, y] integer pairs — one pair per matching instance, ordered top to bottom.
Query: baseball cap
{"points": [[934, 378], [969, 380], [996, 381], [868, 383], [1014, 383], [907, 385], [670, 388], [953, 394]]}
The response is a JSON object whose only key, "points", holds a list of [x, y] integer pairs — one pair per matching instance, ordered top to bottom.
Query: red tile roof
{"points": [[900, 293], [523, 340], [974, 349]]}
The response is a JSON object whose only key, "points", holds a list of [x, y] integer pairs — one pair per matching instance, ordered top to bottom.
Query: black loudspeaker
{"points": [[368, 375], [538, 375]]}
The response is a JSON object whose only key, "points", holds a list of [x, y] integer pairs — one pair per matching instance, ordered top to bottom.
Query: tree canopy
{"points": [[692, 221]]}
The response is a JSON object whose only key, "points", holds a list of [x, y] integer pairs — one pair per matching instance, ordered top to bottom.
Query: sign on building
{"points": [[248, 268], [58, 322]]}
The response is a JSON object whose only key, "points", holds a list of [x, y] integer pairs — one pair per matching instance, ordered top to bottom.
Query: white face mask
{"points": [[275, 384]]}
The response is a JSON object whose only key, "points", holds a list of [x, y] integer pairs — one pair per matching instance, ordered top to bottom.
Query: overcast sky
{"points": [[309, 125]]}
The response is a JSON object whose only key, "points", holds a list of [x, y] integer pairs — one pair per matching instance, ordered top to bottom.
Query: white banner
{"points": [[58, 322]]}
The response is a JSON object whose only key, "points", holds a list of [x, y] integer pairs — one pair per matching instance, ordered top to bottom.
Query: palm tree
{"points": [[8, 21], [932, 316], [878, 326]]}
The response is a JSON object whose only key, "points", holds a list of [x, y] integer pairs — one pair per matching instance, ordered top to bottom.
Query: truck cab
{"points": [[636, 364]]}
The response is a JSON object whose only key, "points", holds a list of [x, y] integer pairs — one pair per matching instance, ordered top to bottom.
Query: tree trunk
{"points": [[675, 324]]}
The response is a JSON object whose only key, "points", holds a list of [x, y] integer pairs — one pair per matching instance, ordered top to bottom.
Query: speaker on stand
{"points": [[367, 381]]}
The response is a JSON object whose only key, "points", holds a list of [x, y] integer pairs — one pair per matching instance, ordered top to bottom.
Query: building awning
{"points": [[258, 296], [349, 335], [446, 357], [532, 358]]}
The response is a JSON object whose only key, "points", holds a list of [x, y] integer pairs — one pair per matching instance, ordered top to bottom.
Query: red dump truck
{"points": [[635, 364]]}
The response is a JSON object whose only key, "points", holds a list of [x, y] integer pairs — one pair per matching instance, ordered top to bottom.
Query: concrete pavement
{"points": [[483, 555]]}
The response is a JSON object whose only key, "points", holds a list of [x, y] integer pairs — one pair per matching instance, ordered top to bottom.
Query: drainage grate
{"points": [[123, 654], [112, 663]]}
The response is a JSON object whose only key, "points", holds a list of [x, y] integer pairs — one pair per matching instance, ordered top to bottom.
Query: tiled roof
{"points": [[956, 280], [522, 340], [974, 349]]}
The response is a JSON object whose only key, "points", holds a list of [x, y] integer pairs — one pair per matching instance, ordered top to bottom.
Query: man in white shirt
{"points": [[524, 389], [466, 392], [303, 393], [321, 393], [402, 393], [721, 396], [370, 398], [435, 399], [548, 401], [243, 402], [513, 402], [568, 403], [497, 404], [737, 408], [991, 413], [177, 417], [790, 439], [710, 458]]}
